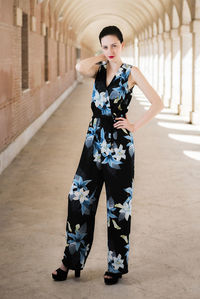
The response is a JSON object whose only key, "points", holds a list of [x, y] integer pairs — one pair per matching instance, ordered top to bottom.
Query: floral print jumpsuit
{"points": [[107, 156]]}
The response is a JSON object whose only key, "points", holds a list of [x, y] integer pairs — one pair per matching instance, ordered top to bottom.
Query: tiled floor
{"points": [[164, 260]]}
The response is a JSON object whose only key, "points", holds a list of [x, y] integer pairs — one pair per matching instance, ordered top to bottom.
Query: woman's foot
{"points": [[61, 267], [106, 276], [111, 278]]}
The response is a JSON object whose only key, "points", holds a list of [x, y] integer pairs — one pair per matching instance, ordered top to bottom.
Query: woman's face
{"points": [[111, 47]]}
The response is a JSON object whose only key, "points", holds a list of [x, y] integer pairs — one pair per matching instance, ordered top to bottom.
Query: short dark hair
{"points": [[111, 30]]}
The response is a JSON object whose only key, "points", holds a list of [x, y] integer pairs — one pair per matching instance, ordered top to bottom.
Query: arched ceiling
{"points": [[88, 17]]}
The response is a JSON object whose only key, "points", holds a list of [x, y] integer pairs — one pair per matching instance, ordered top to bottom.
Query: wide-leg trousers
{"points": [[83, 201]]}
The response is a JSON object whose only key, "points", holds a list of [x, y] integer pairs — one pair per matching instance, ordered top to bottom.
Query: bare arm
{"points": [[89, 67], [152, 96]]}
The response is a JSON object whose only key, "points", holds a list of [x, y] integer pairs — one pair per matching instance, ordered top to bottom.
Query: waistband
{"points": [[96, 115], [104, 116], [106, 121]]}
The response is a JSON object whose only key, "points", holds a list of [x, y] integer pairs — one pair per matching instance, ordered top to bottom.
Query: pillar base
{"points": [[166, 101], [174, 107], [184, 110], [195, 117]]}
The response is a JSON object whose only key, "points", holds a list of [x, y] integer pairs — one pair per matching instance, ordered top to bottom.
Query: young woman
{"points": [[107, 156]]}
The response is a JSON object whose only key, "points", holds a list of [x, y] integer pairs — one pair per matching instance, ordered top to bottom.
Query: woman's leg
{"points": [[119, 192], [82, 205]]}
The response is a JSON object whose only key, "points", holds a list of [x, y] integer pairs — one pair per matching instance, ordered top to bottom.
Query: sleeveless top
{"points": [[112, 100], [109, 144]]}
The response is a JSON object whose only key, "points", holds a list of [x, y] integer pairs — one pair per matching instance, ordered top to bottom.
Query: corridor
{"points": [[45, 108], [164, 256]]}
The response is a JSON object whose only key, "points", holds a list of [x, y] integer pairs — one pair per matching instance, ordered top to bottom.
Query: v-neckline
{"points": [[113, 76]]}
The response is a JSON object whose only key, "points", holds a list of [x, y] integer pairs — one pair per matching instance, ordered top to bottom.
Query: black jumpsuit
{"points": [[107, 156]]}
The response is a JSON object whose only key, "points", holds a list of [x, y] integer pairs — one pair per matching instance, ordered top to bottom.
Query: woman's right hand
{"points": [[102, 57], [89, 66]]}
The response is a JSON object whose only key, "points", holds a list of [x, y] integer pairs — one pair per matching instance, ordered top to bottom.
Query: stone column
{"points": [[136, 52], [139, 53], [142, 55], [146, 56], [150, 61], [155, 62], [160, 64], [167, 69], [186, 70], [147, 71], [175, 99], [195, 114]]}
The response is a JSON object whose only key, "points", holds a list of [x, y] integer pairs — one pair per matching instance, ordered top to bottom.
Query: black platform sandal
{"points": [[62, 274], [114, 279]]}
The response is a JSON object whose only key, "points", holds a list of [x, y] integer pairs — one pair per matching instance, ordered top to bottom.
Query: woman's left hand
{"points": [[124, 123]]}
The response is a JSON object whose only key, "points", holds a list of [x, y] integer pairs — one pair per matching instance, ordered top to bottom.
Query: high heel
{"points": [[77, 273], [62, 274], [114, 277]]}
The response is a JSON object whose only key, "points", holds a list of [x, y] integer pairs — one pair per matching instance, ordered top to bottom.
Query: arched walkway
{"points": [[44, 112]]}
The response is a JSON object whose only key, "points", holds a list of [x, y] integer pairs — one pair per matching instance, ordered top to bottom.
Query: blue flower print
{"points": [[119, 73], [125, 74], [122, 89], [119, 92], [115, 95], [101, 100], [90, 134], [130, 144], [119, 153], [111, 155], [97, 156], [109, 158], [79, 183], [129, 190], [80, 192], [126, 208], [110, 209], [75, 240], [127, 246], [127, 253], [83, 254], [114, 262]]}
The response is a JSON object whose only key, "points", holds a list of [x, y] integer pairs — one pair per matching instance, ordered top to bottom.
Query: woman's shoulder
{"points": [[129, 65], [130, 69]]}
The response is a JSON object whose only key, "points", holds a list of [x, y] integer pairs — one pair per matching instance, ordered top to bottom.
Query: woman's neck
{"points": [[114, 65]]}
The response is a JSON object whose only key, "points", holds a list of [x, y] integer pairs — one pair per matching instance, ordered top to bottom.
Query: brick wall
{"points": [[18, 107]]}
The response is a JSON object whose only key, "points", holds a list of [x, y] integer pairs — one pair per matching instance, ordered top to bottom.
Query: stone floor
{"points": [[164, 260]]}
